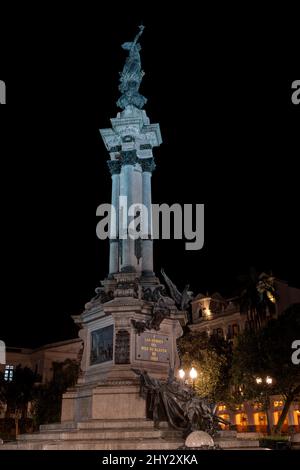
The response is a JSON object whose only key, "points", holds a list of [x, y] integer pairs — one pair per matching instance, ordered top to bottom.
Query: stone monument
{"points": [[130, 323]]}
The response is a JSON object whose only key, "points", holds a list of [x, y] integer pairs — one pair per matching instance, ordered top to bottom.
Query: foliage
{"points": [[257, 297], [268, 352], [211, 357], [18, 392], [47, 406]]}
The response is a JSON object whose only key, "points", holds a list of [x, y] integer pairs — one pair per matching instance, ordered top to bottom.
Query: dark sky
{"points": [[230, 141]]}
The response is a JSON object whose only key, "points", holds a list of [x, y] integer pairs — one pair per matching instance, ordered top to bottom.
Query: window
{"points": [[235, 330], [218, 332], [229, 332], [9, 373], [278, 403], [257, 406], [222, 407], [239, 407], [241, 420]]}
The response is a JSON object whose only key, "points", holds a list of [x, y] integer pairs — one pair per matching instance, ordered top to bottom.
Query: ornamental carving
{"points": [[129, 157], [147, 164], [114, 167], [122, 347]]}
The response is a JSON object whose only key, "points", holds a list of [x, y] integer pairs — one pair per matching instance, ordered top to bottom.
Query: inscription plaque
{"points": [[152, 347]]}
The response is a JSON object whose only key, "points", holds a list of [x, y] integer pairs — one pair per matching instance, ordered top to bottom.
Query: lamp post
{"points": [[181, 374], [193, 375], [266, 382]]}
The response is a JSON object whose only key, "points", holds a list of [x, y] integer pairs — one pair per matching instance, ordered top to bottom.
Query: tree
{"points": [[257, 297], [268, 352], [211, 357], [18, 392], [47, 406]]}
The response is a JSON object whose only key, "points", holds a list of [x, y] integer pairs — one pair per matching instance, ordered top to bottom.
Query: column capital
{"points": [[129, 157], [147, 164], [114, 167]]}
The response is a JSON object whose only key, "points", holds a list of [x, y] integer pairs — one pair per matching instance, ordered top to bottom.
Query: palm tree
{"points": [[257, 297]]}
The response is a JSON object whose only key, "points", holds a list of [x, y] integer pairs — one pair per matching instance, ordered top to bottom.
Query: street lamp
{"points": [[181, 374], [193, 375], [268, 381]]}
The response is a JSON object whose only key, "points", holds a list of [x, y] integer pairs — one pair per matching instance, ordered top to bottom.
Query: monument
{"points": [[130, 323]]}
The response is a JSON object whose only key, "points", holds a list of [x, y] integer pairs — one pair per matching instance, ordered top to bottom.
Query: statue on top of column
{"points": [[131, 75]]}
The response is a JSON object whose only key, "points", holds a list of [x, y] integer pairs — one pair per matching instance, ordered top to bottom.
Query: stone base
{"points": [[107, 401], [115, 434], [131, 434], [230, 440]]}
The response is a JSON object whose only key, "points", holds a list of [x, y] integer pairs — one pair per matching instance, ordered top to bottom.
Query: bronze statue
{"points": [[131, 75], [183, 299], [179, 404]]}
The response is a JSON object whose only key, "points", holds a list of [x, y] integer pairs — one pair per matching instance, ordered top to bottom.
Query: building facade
{"points": [[215, 315], [40, 359]]}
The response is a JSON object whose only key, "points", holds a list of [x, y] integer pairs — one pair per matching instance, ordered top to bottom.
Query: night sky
{"points": [[230, 140]]}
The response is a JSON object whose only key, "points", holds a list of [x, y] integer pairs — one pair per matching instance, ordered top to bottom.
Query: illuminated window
{"points": [[8, 373], [278, 403], [257, 406], [222, 407], [239, 407], [260, 419], [241, 421]]}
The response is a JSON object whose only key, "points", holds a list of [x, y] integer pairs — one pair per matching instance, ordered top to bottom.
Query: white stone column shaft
{"points": [[126, 189], [114, 242], [147, 244]]}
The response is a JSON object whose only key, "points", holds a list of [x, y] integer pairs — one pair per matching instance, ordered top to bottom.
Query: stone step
{"points": [[116, 423], [99, 424], [58, 426], [93, 434], [171, 434], [227, 434], [227, 443], [115, 444], [143, 444]]}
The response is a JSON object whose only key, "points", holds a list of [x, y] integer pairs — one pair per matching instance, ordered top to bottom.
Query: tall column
{"points": [[129, 159], [148, 166], [115, 168], [138, 199]]}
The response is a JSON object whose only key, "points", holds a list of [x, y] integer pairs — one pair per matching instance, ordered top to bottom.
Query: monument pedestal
{"points": [[118, 339], [113, 400]]}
